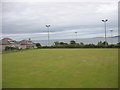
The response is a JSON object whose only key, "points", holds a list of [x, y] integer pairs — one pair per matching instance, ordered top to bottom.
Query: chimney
{"points": [[29, 39]]}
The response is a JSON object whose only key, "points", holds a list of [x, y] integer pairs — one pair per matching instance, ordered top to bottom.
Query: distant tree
{"points": [[72, 42], [57, 43], [62, 43], [81, 43], [100, 43], [105, 43], [118, 43], [38, 45]]}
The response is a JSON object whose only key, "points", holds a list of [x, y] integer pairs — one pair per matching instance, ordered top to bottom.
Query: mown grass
{"points": [[61, 68]]}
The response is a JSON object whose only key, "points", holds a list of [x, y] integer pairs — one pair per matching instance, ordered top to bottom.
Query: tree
{"points": [[72, 42], [57, 43], [62, 43], [81, 43], [100, 43], [105, 43], [118, 43], [38, 45]]}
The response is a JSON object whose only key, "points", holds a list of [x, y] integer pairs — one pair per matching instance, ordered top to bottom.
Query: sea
{"points": [[113, 40]]}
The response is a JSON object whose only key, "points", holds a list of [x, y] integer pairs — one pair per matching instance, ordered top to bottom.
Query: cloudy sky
{"points": [[22, 20]]}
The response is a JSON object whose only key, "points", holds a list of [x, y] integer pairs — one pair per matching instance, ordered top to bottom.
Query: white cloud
{"points": [[59, 1], [107, 8], [25, 17]]}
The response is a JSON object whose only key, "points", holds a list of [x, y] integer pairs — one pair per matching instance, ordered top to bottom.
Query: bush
{"points": [[73, 44], [38, 45], [9, 48]]}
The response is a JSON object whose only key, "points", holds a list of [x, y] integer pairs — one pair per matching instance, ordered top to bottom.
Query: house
{"points": [[8, 42], [17, 44], [27, 44]]}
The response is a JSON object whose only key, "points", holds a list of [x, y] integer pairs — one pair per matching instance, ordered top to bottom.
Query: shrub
{"points": [[38, 45]]}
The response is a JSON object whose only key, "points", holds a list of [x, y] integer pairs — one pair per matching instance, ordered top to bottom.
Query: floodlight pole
{"points": [[48, 26], [105, 29], [76, 36], [111, 36]]}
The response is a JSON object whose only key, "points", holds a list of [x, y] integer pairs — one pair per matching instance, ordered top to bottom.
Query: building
{"points": [[8, 42], [17, 44], [27, 44]]}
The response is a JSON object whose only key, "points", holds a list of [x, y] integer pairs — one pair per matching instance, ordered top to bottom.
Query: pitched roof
{"points": [[6, 41], [26, 42]]}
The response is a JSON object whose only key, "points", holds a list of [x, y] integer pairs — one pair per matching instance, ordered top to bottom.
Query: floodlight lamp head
{"points": [[103, 20], [47, 25]]}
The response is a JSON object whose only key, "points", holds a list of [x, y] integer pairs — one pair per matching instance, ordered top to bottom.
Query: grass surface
{"points": [[61, 68]]}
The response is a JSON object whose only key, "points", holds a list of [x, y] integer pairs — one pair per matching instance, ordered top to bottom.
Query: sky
{"points": [[27, 19]]}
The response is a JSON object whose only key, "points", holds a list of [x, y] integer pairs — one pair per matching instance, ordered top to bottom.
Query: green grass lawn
{"points": [[61, 68]]}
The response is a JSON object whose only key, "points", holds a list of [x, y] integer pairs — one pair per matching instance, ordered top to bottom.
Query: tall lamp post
{"points": [[48, 26], [105, 29], [76, 36], [111, 36]]}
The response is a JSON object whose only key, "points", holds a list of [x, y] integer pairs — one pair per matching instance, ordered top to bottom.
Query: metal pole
{"points": [[48, 26], [105, 30], [105, 33], [76, 36], [111, 36], [48, 37]]}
